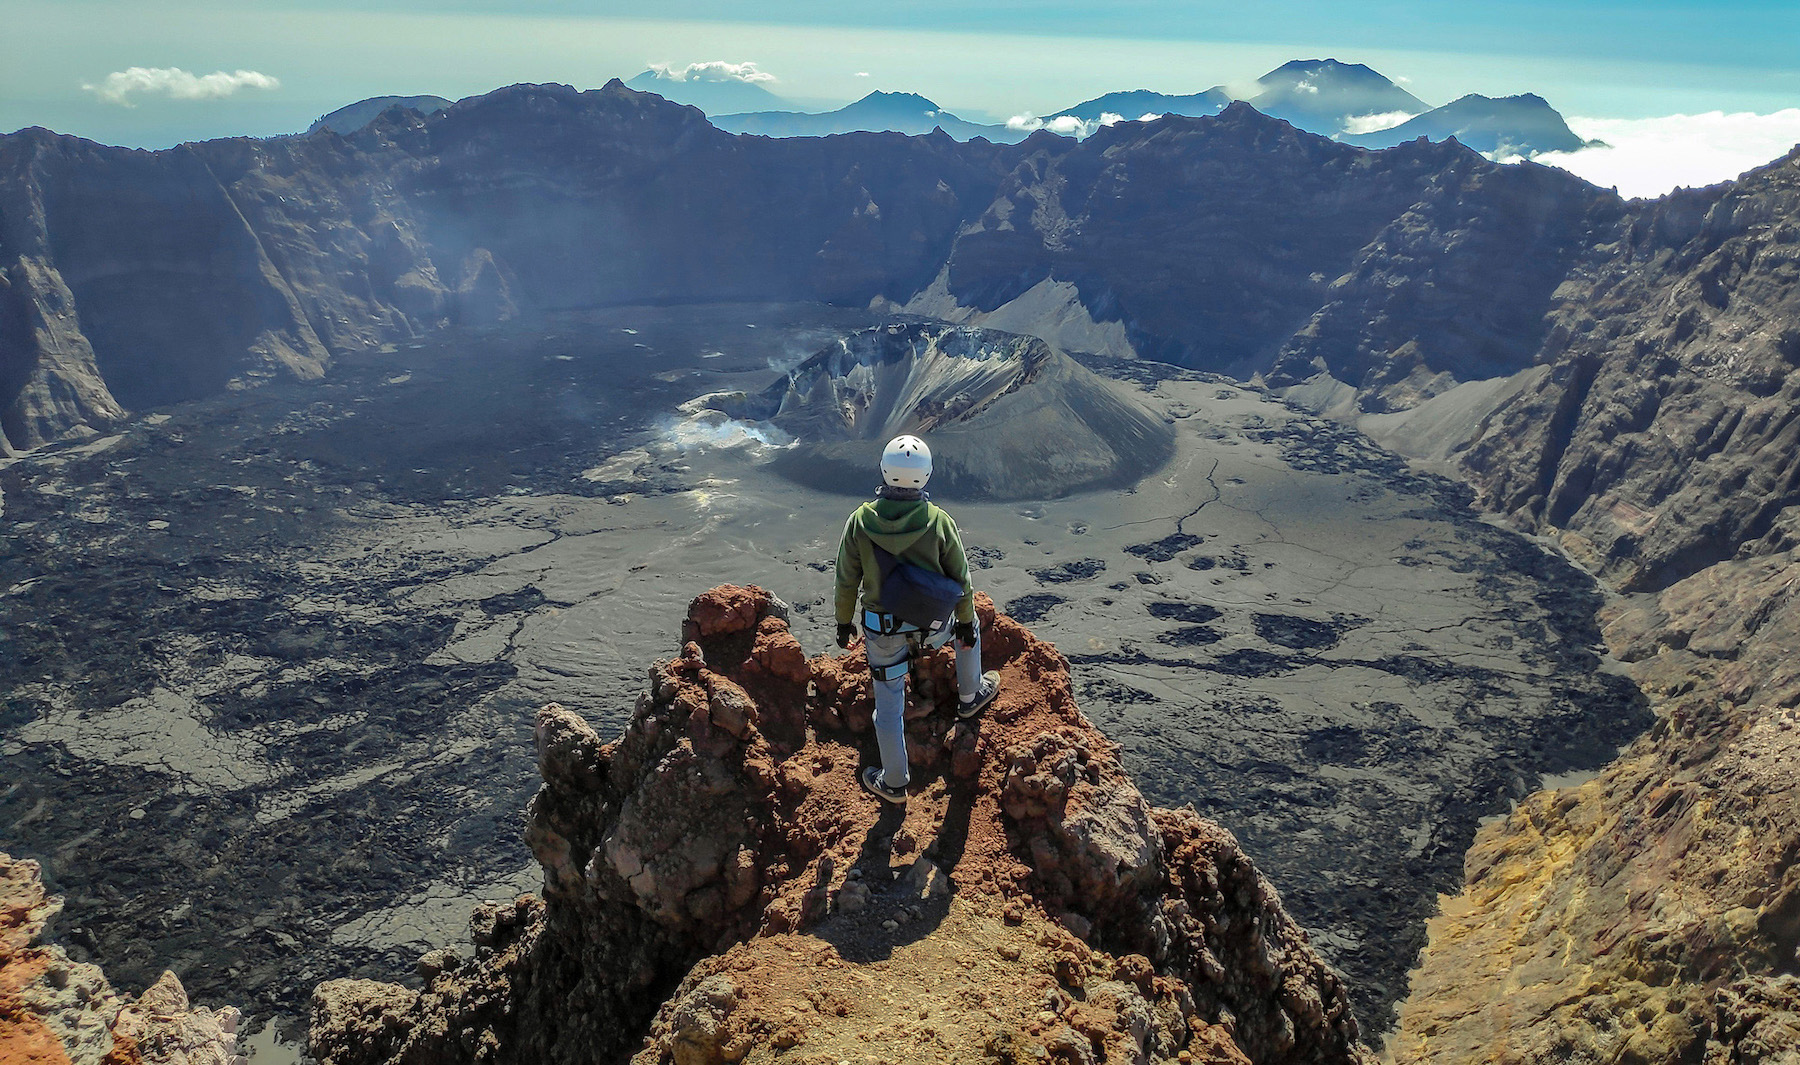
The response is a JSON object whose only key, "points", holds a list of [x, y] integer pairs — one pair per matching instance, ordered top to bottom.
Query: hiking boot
{"points": [[990, 687], [871, 780]]}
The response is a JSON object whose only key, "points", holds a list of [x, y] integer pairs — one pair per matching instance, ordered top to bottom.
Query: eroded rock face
{"points": [[61, 392], [1663, 438], [718, 889], [1653, 913], [54, 1010]]}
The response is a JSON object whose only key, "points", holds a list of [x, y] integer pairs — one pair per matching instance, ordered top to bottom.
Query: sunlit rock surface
{"points": [[716, 888], [54, 1011]]}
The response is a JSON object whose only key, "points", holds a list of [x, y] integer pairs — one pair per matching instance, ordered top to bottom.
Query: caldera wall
{"points": [[1221, 243]]}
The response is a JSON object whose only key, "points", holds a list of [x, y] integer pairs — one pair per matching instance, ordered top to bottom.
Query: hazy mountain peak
{"points": [[1319, 69], [715, 88], [1323, 95], [898, 98], [1135, 103], [878, 112], [352, 117], [1507, 125]]}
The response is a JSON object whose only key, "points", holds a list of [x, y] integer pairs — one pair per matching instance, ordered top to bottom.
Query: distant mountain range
{"points": [[1345, 101], [1137, 103], [878, 112]]}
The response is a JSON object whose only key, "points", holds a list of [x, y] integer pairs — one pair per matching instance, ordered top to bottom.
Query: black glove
{"points": [[846, 633], [965, 633]]}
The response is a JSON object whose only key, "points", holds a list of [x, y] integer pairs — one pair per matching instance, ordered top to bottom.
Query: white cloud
{"points": [[717, 70], [863, 74], [177, 84], [1306, 86], [1358, 124], [1068, 125], [1651, 156]]}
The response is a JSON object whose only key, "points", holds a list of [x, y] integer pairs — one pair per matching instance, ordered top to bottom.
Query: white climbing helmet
{"points": [[906, 462]]}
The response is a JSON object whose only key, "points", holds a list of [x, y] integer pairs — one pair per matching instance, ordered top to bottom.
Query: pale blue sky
{"points": [[992, 59]]}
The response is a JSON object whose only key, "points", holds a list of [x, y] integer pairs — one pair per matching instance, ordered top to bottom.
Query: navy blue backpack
{"points": [[916, 595]]}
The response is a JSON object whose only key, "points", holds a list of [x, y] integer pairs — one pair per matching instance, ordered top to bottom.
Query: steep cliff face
{"points": [[614, 196], [171, 275], [168, 281], [1460, 286], [59, 390], [1663, 439], [717, 889], [1653, 914]]}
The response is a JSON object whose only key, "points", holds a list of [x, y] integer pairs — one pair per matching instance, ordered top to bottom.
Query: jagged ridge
{"points": [[1206, 242], [716, 888]]}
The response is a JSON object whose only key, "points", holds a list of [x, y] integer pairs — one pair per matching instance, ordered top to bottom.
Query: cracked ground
{"points": [[268, 663]]}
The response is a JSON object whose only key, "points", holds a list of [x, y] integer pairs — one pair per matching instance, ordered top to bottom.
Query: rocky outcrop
{"points": [[1013, 418], [716, 888], [54, 1011]]}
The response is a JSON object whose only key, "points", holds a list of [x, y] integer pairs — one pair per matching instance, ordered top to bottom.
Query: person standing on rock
{"points": [[905, 557]]}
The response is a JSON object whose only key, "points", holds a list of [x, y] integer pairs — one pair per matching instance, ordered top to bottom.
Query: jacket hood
{"points": [[894, 524]]}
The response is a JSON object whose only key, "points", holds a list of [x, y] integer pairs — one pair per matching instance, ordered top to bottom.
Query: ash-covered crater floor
{"points": [[268, 663]]}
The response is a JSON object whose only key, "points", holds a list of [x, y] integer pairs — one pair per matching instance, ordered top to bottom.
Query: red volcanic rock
{"points": [[726, 610], [718, 889], [54, 1011]]}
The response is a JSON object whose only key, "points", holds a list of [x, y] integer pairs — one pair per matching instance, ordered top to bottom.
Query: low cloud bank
{"points": [[717, 70], [177, 84], [1069, 125], [1356, 125], [1652, 156]]}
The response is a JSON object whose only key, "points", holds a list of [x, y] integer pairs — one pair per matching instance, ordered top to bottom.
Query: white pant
{"points": [[892, 649]]}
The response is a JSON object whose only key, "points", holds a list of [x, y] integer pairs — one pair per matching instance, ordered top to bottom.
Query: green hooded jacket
{"points": [[912, 530]]}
